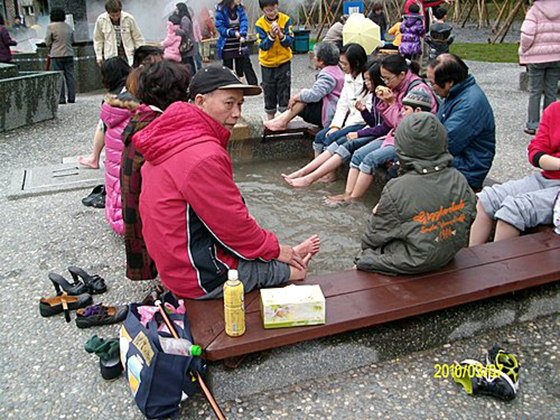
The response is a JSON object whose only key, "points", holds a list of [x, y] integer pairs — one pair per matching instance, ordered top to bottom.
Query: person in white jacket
{"points": [[116, 34], [539, 50], [347, 119]]}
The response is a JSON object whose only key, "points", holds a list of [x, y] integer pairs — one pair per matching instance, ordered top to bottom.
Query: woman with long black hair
{"points": [[232, 25], [188, 46]]}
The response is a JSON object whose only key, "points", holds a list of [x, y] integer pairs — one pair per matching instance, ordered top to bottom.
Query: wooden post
{"points": [[473, 4], [337, 11], [500, 16], [508, 22]]}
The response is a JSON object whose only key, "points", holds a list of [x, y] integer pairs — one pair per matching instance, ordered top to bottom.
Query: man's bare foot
{"points": [[276, 124], [89, 161], [327, 178], [302, 182], [310, 246], [297, 274]]}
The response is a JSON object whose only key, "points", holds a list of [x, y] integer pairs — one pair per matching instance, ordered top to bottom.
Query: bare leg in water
{"points": [[280, 122], [98, 145], [320, 158], [325, 169], [350, 184], [362, 184], [481, 227], [505, 231]]}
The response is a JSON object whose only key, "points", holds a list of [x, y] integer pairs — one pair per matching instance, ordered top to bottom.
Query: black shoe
{"points": [[71, 102], [530, 131], [96, 192], [61, 284], [95, 284], [64, 303], [100, 315], [111, 368]]}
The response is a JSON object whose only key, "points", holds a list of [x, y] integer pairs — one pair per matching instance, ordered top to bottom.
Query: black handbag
{"points": [[186, 45]]}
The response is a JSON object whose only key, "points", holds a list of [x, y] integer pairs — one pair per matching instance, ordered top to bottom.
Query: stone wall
{"points": [[86, 71], [28, 97]]}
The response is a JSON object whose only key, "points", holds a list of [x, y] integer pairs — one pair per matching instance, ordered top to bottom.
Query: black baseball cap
{"points": [[214, 77]]}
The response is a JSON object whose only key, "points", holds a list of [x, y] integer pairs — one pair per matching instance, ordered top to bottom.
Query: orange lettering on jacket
{"points": [[432, 221]]}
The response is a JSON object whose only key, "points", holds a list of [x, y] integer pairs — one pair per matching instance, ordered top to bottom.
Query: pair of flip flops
{"points": [[96, 198]]}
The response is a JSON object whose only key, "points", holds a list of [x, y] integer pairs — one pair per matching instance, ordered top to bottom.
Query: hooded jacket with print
{"points": [[424, 216], [196, 225]]}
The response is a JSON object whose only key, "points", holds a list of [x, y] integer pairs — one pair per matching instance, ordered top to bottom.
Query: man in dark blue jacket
{"points": [[467, 116]]}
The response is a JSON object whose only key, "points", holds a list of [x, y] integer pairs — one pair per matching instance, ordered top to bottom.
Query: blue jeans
{"points": [[322, 141], [346, 149], [373, 156]]}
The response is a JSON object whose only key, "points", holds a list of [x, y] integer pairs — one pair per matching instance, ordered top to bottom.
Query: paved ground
{"points": [[46, 373], [407, 389]]}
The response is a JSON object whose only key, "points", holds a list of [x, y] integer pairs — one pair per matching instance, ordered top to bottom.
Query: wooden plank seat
{"points": [[294, 128], [357, 299]]}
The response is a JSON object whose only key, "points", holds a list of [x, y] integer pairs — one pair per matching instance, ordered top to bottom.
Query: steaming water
{"points": [[294, 215]]}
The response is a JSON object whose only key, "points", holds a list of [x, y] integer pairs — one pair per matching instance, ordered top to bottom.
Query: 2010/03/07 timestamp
{"points": [[471, 370]]}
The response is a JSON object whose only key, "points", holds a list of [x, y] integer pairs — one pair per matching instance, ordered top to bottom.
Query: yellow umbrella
{"points": [[360, 30]]}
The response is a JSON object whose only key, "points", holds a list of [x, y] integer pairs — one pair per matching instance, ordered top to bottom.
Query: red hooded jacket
{"points": [[547, 140], [196, 225]]}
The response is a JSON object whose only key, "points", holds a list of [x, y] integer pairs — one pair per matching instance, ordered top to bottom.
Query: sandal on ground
{"points": [[96, 192], [99, 202], [95, 283], [61, 284], [63, 303], [100, 315], [110, 364]]}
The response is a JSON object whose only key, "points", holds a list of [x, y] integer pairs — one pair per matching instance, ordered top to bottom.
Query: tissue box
{"points": [[292, 306]]}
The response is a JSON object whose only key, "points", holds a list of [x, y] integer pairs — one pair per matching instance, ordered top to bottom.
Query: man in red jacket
{"points": [[196, 225]]}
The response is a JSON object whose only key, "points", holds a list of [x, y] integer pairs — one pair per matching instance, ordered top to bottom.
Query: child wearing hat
{"points": [[376, 154], [423, 217]]}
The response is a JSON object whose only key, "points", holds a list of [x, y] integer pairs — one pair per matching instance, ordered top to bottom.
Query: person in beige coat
{"points": [[116, 34]]}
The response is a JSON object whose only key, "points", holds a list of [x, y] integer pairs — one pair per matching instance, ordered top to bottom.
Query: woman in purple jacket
{"points": [[412, 30], [5, 42]]}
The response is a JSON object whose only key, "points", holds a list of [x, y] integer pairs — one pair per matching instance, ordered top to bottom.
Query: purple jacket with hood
{"points": [[412, 29]]}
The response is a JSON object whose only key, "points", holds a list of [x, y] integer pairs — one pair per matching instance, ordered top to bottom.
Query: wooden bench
{"points": [[301, 128], [356, 299]]}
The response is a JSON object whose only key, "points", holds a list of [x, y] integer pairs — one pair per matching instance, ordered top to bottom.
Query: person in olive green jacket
{"points": [[424, 216]]}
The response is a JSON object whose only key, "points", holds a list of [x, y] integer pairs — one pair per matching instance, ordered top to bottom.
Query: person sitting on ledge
{"points": [[318, 104], [466, 115], [527, 202], [423, 217], [196, 224]]}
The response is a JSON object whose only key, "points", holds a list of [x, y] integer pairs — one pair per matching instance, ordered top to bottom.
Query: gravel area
{"points": [[46, 373]]}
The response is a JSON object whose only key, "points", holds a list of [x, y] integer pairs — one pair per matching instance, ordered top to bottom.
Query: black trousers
{"points": [[65, 65], [243, 67], [276, 84]]}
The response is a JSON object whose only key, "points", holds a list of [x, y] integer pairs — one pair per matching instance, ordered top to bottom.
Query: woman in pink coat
{"points": [[172, 41], [539, 50], [116, 112]]}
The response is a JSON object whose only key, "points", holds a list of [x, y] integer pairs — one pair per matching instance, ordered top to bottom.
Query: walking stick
{"points": [[205, 390]]}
